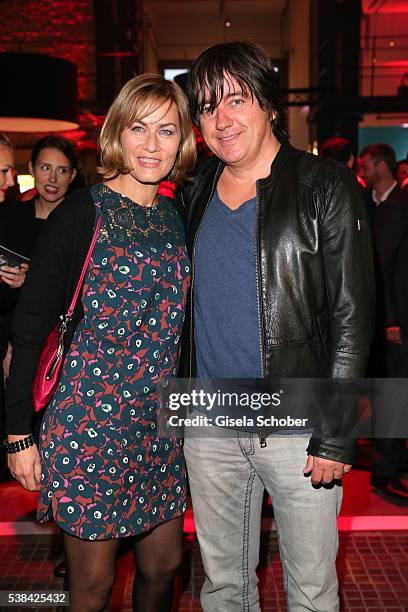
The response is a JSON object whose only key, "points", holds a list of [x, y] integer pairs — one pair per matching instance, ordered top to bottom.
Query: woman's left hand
{"points": [[14, 277]]}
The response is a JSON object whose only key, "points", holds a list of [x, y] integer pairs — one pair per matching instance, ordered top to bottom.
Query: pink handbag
{"points": [[52, 355]]}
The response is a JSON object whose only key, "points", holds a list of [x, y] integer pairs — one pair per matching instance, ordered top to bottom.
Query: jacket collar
{"points": [[278, 163]]}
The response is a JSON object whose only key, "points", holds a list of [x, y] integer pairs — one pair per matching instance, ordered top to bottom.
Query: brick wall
{"points": [[60, 28]]}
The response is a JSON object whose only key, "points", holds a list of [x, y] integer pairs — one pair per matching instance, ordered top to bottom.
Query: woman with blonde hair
{"points": [[6, 166], [11, 276], [104, 473]]}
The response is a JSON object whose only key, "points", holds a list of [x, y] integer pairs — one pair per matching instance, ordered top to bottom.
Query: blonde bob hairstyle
{"points": [[137, 99]]}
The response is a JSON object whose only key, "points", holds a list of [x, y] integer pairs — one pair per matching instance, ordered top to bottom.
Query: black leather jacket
{"points": [[315, 273]]}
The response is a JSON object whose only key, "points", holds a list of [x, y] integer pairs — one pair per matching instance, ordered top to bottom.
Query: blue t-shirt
{"points": [[226, 313]]}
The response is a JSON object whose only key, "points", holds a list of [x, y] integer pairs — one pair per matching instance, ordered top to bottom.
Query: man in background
{"points": [[339, 149], [387, 206]]}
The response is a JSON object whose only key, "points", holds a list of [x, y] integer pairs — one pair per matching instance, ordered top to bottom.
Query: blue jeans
{"points": [[227, 480]]}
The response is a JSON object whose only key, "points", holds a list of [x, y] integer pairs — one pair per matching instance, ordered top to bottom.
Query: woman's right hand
{"points": [[25, 465]]}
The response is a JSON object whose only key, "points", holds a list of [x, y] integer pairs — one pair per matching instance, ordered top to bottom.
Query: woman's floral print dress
{"points": [[106, 473]]}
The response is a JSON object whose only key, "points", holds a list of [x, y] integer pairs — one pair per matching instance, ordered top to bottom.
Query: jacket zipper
{"points": [[216, 177], [261, 430]]}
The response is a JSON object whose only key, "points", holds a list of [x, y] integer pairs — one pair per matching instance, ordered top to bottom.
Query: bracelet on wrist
{"points": [[18, 445]]}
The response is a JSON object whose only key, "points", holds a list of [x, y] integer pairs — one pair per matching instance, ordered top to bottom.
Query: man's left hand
{"points": [[324, 471]]}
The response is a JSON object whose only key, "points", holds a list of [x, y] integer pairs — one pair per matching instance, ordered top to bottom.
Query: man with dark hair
{"points": [[339, 149], [378, 168], [387, 206], [282, 287]]}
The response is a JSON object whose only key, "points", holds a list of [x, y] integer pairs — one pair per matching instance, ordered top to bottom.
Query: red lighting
{"points": [[393, 6], [117, 54], [393, 63]]}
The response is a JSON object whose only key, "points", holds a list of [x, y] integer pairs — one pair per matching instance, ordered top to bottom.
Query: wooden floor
{"points": [[372, 561]]}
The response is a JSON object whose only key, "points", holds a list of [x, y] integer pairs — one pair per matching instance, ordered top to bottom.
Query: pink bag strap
{"points": [[84, 268]]}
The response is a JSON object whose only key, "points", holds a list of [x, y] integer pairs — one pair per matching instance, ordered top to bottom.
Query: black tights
{"points": [[91, 567]]}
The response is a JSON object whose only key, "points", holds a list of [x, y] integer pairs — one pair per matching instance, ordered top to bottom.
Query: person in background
{"points": [[339, 149], [6, 166], [53, 166], [358, 173], [402, 173], [13, 193], [387, 205], [10, 278], [104, 473]]}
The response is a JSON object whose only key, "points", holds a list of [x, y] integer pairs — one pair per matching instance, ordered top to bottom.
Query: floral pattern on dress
{"points": [[106, 473]]}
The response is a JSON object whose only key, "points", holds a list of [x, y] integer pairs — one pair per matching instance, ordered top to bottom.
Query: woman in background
{"points": [[6, 166], [53, 167], [10, 276], [106, 474]]}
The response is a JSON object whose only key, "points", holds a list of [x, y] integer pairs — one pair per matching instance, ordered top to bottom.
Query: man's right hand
{"points": [[25, 465]]}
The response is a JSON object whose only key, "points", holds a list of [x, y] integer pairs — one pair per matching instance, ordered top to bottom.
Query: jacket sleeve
{"points": [[349, 279], [42, 300]]}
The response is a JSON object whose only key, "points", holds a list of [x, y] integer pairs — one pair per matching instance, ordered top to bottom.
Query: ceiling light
{"points": [[42, 95]]}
